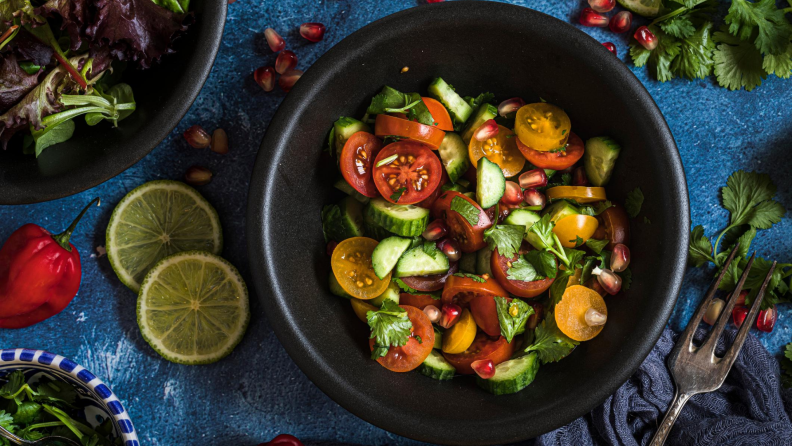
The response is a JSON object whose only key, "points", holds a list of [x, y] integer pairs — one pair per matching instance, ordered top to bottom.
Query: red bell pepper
{"points": [[39, 274]]}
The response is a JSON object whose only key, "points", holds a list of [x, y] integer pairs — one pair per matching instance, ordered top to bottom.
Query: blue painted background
{"points": [[258, 392]]}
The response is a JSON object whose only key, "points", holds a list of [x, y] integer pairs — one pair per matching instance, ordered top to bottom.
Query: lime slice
{"points": [[646, 8], [156, 220], [193, 308]]}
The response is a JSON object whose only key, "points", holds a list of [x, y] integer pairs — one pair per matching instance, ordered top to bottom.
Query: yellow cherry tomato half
{"points": [[542, 126], [501, 150], [581, 194], [569, 228], [351, 263], [361, 309], [570, 313], [460, 336]]}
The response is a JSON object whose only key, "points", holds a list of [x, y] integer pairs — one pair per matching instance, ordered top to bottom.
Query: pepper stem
{"points": [[63, 237]]}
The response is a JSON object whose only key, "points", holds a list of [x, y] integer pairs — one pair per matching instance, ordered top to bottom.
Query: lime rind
{"points": [[645, 8], [136, 240], [173, 304]]}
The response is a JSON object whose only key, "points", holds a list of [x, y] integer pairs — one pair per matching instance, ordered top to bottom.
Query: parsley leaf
{"points": [[774, 32], [399, 192], [749, 198], [634, 201], [465, 209], [505, 238], [597, 245], [700, 249], [543, 262], [522, 270], [512, 316], [390, 326], [550, 343]]}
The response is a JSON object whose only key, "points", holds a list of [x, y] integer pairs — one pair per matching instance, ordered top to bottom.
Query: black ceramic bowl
{"points": [[477, 47], [163, 95]]}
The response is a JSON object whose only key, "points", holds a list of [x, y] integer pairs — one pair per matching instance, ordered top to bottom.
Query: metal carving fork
{"points": [[697, 369]]}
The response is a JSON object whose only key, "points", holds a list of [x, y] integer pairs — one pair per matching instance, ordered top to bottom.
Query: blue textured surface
{"points": [[258, 392]]}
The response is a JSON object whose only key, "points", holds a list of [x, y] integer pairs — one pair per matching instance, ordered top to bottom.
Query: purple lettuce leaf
{"points": [[15, 83]]}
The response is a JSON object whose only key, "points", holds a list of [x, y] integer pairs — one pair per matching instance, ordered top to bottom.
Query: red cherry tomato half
{"points": [[440, 114], [386, 125], [357, 157], [555, 161], [411, 177], [429, 201], [614, 226], [469, 237], [500, 266], [430, 283], [462, 290], [419, 301], [485, 314], [483, 347], [414, 352]]}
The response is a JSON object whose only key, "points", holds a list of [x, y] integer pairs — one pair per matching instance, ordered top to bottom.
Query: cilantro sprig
{"points": [[505, 238], [512, 316], [390, 326], [550, 344]]}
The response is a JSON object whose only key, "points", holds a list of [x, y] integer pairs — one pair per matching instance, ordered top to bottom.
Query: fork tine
{"points": [[739, 340], [711, 341]]}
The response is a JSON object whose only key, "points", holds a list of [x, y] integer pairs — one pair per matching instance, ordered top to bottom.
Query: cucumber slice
{"points": [[459, 110], [484, 113], [343, 129], [454, 154], [600, 158], [463, 182], [490, 184], [344, 187], [454, 187], [560, 209], [351, 217], [526, 218], [405, 220], [374, 230], [387, 253], [416, 262], [467, 263], [483, 265], [336, 289], [390, 293], [438, 345], [436, 367], [511, 376]]}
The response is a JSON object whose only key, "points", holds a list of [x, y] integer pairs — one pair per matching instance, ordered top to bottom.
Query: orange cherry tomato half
{"points": [[440, 114], [391, 126], [542, 126], [501, 150], [357, 157], [554, 160], [410, 178], [581, 194], [614, 226], [572, 227], [470, 237], [351, 263], [500, 266], [462, 290], [419, 301], [570, 313], [485, 314], [483, 347], [412, 354]]}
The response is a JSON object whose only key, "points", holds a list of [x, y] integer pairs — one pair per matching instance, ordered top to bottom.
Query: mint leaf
{"points": [[634, 201], [465, 209], [505, 238], [597, 245], [700, 249], [543, 262], [522, 270], [512, 316], [390, 326], [550, 343]]}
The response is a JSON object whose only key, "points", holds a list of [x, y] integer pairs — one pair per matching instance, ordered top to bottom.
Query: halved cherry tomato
{"points": [[440, 114], [391, 126], [542, 126], [501, 150], [357, 157], [554, 160], [410, 178], [581, 194], [429, 201], [614, 226], [569, 228], [469, 237], [351, 263], [500, 269], [431, 283], [462, 290], [419, 301], [361, 309], [570, 313], [485, 314], [460, 336], [483, 347], [414, 352]]}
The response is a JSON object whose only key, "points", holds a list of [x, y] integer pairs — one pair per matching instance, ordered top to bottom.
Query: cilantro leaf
{"points": [[680, 26], [774, 31], [695, 54], [661, 57], [738, 64], [780, 64], [483, 98], [398, 193], [749, 198], [634, 201], [465, 209], [593, 211], [544, 230], [505, 238], [578, 241], [597, 245], [430, 248], [700, 249], [575, 256], [543, 262], [588, 266], [522, 270], [473, 277], [626, 277], [558, 288], [409, 290], [512, 316], [390, 326], [550, 343], [786, 367], [14, 384], [26, 413], [7, 421]]}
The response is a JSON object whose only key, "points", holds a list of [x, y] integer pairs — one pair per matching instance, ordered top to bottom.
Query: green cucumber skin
{"points": [[459, 110], [484, 113], [344, 128], [454, 155], [599, 159], [490, 185], [344, 187], [560, 209], [382, 214], [352, 217], [526, 218], [373, 230], [387, 254], [416, 262], [335, 287], [390, 293], [436, 367], [515, 382]]}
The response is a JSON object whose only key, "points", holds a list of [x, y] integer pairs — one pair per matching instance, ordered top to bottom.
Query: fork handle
{"points": [[680, 399]]}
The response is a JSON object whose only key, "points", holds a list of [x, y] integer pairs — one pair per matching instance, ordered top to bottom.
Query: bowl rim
{"points": [[274, 298], [61, 364]]}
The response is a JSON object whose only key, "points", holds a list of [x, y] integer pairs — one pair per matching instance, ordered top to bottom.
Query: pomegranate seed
{"points": [[602, 5], [590, 17], [621, 22], [313, 32], [646, 38], [274, 40], [611, 47], [286, 61], [265, 77], [288, 79], [510, 106], [487, 130], [197, 137], [219, 142], [198, 176], [579, 177], [533, 178], [513, 194], [534, 198], [435, 231], [331, 246], [450, 248], [620, 258], [609, 280], [741, 298], [713, 311], [432, 313], [450, 314], [738, 315], [594, 318], [767, 319], [533, 320], [484, 368], [283, 440]]}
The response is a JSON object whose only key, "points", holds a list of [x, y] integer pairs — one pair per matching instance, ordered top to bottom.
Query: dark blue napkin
{"points": [[751, 408]]}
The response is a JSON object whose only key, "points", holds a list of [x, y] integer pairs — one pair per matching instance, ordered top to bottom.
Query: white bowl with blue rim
{"points": [[99, 402]]}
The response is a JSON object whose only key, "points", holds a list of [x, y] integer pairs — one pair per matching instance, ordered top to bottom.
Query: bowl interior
{"points": [[476, 47], [163, 95]]}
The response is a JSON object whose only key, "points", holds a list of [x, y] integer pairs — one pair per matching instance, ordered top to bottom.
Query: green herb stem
{"points": [[65, 419]]}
